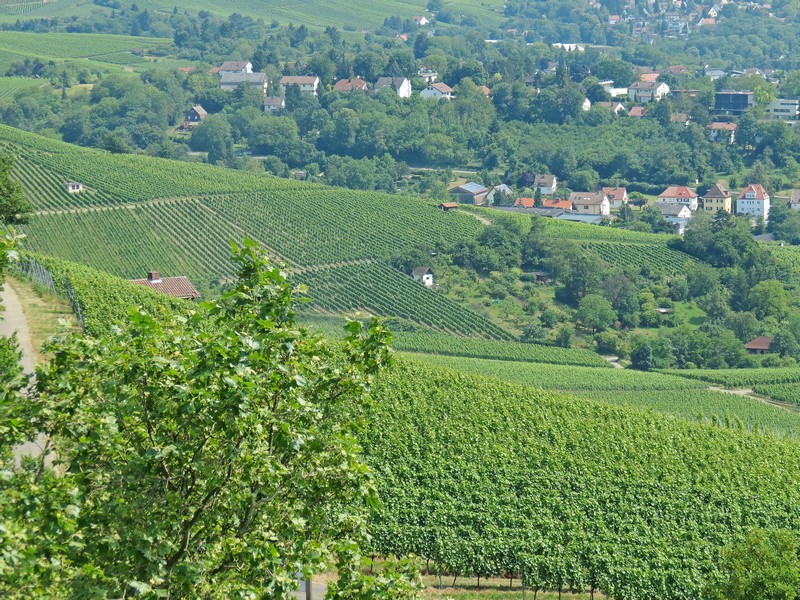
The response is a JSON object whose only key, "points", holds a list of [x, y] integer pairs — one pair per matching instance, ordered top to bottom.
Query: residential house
{"points": [[613, 19], [420, 20], [235, 66], [676, 70], [714, 73], [428, 75], [230, 81], [307, 83], [350, 85], [401, 85], [484, 89], [438, 91], [647, 91], [732, 102], [274, 103], [614, 107], [783, 109], [636, 112], [194, 116], [680, 119], [719, 131], [545, 183], [73, 187], [496, 191], [470, 193], [679, 194], [617, 196], [717, 198], [794, 200], [753, 201], [528, 203], [556, 203], [590, 203], [678, 211], [423, 274], [177, 287], [759, 345]]}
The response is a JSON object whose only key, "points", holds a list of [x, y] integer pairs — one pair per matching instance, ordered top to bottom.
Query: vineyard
{"points": [[15, 7], [75, 45], [10, 86], [655, 257], [376, 288], [431, 343], [555, 377], [740, 378], [782, 392], [716, 408], [484, 478]]}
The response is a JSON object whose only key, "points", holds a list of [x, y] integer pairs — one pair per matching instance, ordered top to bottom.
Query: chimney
{"points": [[154, 277]]}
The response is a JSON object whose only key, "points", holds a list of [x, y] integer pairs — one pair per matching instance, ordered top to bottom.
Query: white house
{"points": [[420, 20], [236, 66], [230, 81], [307, 83], [401, 85], [437, 91], [647, 91], [274, 103], [784, 109], [720, 131], [547, 184], [73, 187], [679, 194], [616, 195], [753, 201], [590, 203], [677, 211], [423, 274]]}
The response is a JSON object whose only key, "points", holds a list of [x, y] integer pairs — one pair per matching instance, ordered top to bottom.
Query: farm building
{"points": [[194, 116], [73, 187], [470, 193], [445, 206], [423, 274], [177, 287], [759, 345]]}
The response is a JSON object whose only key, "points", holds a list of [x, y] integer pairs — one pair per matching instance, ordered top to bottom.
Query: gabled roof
{"points": [[234, 65], [237, 78], [299, 80], [392, 82], [348, 85], [646, 85], [442, 88], [277, 101], [636, 111], [201, 112], [719, 125], [546, 180], [471, 188], [754, 188], [717, 191], [680, 192], [615, 193], [587, 197], [794, 197], [564, 204], [671, 210], [420, 271], [178, 287], [762, 342]]}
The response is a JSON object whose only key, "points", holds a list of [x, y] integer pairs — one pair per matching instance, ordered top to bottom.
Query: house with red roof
{"points": [[350, 85], [719, 131], [679, 194], [617, 196], [753, 201], [177, 287]]}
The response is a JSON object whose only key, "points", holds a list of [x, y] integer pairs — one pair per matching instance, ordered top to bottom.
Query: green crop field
{"points": [[9, 86], [653, 256], [564, 377], [740, 378], [782, 392], [482, 477]]}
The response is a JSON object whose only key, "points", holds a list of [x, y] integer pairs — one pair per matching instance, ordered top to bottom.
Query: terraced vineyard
{"points": [[17, 7], [9, 86], [654, 256], [376, 288], [431, 343], [556, 377], [740, 378]]}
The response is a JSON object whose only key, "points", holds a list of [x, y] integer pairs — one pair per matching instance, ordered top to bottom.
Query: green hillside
{"points": [[316, 13], [483, 477]]}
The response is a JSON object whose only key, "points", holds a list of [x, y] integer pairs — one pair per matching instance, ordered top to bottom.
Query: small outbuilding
{"points": [[73, 187], [445, 206], [423, 274], [177, 287], [759, 345]]}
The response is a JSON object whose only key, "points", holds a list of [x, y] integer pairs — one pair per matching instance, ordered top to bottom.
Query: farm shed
{"points": [[423, 274], [178, 287]]}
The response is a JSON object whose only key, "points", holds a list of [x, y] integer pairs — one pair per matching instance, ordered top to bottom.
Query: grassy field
{"points": [[315, 13]]}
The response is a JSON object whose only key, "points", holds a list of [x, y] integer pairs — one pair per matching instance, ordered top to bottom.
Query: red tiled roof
{"points": [[348, 85], [442, 87], [636, 111], [724, 126], [754, 188], [678, 191], [615, 193], [525, 202], [565, 204], [449, 205], [179, 287], [762, 342]]}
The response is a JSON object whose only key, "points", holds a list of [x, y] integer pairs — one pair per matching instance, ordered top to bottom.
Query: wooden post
{"points": [[309, 589]]}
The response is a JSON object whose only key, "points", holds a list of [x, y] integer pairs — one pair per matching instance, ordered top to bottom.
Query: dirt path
{"points": [[612, 360], [748, 393]]}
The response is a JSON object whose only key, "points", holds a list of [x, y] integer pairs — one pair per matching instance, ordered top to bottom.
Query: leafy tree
{"points": [[14, 206], [769, 299], [595, 312], [785, 343], [642, 357], [209, 455], [763, 566]]}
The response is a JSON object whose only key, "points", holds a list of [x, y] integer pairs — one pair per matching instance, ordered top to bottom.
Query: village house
{"points": [[420, 20], [235, 66], [714, 73], [427, 75], [230, 81], [306, 83], [350, 85], [401, 85], [437, 91], [647, 91], [732, 102], [274, 103], [614, 107], [784, 109], [637, 112], [194, 116], [680, 119], [719, 131], [545, 183], [73, 187], [497, 191], [470, 193], [679, 194], [617, 196], [717, 198], [794, 200], [753, 201], [527, 203], [557, 203], [590, 203], [678, 211], [423, 274], [177, 287], [759, 345]]}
